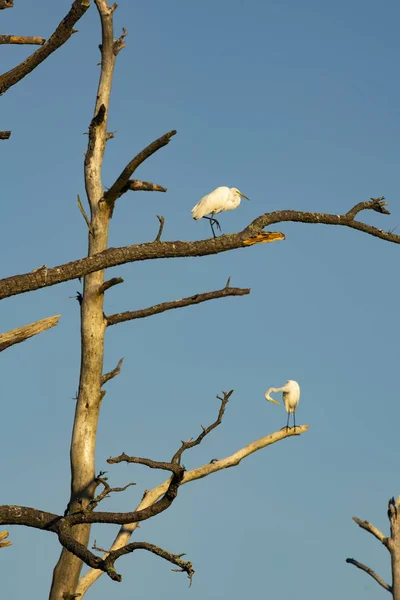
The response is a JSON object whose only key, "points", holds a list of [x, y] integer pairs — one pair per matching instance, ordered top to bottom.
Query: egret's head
{"points": [[239, 193], [268, 397]]}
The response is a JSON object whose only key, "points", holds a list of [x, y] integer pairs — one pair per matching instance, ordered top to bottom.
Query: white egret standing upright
{"points": [[222, 198], [291, 397]]}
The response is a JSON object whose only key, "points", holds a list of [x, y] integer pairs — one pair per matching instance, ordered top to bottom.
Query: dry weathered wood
{"points": [[6, 4], [59, 37], [22, 39], [144, 186], [159, 308], [93, 325], [20, 334], [152, 496], [3, 541], [392, 543], [362, 567]]}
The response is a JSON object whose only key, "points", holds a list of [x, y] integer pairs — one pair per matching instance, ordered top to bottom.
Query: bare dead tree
{"points": [[73, 527], [391, 543]]}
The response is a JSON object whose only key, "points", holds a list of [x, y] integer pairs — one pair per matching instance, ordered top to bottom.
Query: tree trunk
{"points": [[93, 324]]}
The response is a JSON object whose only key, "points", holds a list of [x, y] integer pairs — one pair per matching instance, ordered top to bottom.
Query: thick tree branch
{"points": [[6, 4], [59, 37], [22, 39], [5, 135], [122, 184], [111, 257], [159, 308], [15, 336], [152, 496], [373, 530], [366, 569]]}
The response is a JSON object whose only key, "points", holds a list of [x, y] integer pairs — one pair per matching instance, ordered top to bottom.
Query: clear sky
{"points": [[296, 104]]}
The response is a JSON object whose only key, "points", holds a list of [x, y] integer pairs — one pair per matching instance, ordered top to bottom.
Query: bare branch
{"points": [[59, 37], [22, 39], [120, 42], [5, 135], [121, 185], [144, 186], [80, 205], [160, 230], [111, 257], [109, 284], [159, 308], [15, 336], [112, 373], [205, 430], [106, 491], [152, 496], [161, 505], [373, 530], [184, 566], [366, 569]]}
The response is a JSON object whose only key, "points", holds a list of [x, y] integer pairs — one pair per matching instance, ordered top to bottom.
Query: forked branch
{"points": [[122, 184], [152, 496]]}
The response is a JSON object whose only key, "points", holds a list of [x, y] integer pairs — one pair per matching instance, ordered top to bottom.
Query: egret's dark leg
{"points": [[212, 223], [288, 417], [294, 419]]}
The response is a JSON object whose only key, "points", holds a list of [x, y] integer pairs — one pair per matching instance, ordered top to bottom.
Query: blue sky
{"points": [[296, 104]]}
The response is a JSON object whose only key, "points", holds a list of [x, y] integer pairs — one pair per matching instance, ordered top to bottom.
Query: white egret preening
{"points": [[222, 198], [291, 396]]}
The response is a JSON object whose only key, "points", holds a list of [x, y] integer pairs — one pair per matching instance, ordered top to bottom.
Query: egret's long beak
{"points": [[243, 196], [268, 397]]}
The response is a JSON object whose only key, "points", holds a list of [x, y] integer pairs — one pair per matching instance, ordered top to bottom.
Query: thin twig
{"points": [[84, 214], [160, 230], [112, 373], [205, 430], [106, 491]]}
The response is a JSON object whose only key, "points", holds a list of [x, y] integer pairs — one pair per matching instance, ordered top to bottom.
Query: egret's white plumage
{"points": [[222, 198], [291, 396]]}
